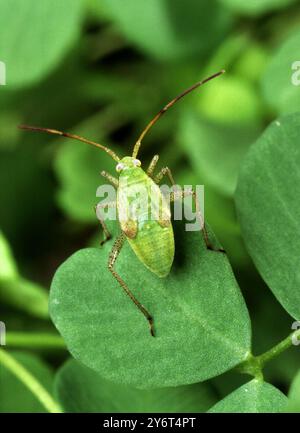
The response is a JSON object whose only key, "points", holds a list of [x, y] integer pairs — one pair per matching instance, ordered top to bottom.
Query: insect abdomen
{"points": [[148, 228], [154, 246]]}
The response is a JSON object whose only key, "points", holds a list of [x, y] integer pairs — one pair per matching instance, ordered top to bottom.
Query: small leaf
{"points": [[256, 7], [183, 27], [47, 29], [281, 80], [269, 211], [201, 321], [80, 389], [14, 395], [294, 395], [253, 397]]}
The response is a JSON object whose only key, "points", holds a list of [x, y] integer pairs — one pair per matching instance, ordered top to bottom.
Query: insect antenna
{"points": [[169, 105], [73, 136]]}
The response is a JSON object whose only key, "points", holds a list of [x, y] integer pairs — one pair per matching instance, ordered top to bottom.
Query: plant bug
{"points": [[153, 243]]}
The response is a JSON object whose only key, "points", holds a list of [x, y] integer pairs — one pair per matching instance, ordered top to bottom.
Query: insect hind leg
{"points": [[165, 172], [183, 194], [119, 242]]}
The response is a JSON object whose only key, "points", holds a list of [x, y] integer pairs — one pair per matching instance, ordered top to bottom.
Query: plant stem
{"points": [[32, 340], [278, 349], [254, 365], [29, 381]]}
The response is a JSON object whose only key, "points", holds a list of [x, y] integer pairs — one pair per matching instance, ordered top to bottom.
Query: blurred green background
{"points": [[102, 69]]}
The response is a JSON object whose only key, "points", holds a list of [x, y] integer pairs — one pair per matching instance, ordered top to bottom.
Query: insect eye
{"points": [[137, 162], [119, 166]]}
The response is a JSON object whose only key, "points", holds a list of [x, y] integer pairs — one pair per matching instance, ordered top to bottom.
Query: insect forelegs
{"points": [[152, 165], [110, 178], [99, 206]]}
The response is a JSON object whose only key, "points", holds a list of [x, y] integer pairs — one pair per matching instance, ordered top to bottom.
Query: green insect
{"points": [[152, 240]]}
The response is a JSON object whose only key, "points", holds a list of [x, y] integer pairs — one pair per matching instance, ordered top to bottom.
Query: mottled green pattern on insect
{"points": [[143, 232], [150, 237]]}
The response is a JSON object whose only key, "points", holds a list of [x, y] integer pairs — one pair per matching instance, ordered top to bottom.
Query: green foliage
{"points": [[256, 7], [57, 25], [182, 27], [102, 69], [277, 85], [235, 102], [227, 127], [205, 140], [78, 170], [268, 211], [8, 267], [17, 291], [25, 295], [192, 343], [80, 389], [14, 395], [294, 395], [253, 397]]}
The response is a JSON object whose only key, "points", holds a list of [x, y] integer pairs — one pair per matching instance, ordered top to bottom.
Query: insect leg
{"points": [[152, 165], [164, 172], [110, 178], [182, 194], [101, 220], [119, 242]]}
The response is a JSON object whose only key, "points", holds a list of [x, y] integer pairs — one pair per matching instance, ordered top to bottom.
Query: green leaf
{"points": [[256, 7], [47, 28], [171, 30], [252, 62], [277, 82], [235, 101], [205, 140], [269, 212], [8, 267], [17, 291], [25, 295], [201, 321], [267, 332], [80, 389], [14, 395], [294, 395], [253, 397]]}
